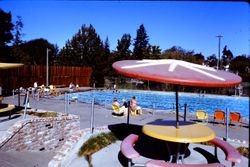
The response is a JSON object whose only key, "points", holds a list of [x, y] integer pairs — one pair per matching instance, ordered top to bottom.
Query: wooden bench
{"points": [[127, 148], [231, 152], [161, 163]]}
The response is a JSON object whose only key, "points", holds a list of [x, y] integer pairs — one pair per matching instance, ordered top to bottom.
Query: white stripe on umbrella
{"points": [[173, 64]]}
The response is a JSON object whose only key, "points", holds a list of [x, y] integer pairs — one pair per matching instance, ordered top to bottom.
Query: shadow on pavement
{"points": [[7, 119], [147, 147], [210, 157]]}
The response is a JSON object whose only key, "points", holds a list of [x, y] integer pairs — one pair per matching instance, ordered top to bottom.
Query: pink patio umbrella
{"points": [[176, 72]]}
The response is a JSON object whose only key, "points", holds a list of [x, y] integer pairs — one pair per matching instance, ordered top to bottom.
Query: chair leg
{"points": [[215, 151], [182, 158], [129, 163]]}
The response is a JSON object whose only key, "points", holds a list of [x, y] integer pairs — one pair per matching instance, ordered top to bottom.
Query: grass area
{"points": [[42, 114], [96, 143], [244, 151]]}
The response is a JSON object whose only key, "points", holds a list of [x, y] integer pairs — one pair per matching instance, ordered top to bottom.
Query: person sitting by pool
{"points": [[71, 87], [134, 108], [117, 109]]}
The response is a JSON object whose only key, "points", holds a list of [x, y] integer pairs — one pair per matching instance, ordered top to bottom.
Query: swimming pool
{"points": [[166, 100]]}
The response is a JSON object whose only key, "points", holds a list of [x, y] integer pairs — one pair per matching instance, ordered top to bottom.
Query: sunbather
{"points": [[134, 108], [117, 109]]}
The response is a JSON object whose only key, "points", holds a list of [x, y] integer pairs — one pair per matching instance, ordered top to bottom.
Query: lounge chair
{"points": [[1, 98], [6, 108], [119, 111], [135, 111], [219, 115], [202, 116], [235, 117]]}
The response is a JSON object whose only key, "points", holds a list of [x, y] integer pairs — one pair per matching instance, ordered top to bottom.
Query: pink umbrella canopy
{"points": [[176, 72]]}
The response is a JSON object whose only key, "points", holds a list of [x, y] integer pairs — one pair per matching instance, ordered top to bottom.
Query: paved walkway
{"points": [[238, 136]]}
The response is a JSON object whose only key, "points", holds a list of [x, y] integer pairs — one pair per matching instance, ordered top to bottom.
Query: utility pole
{"points": [[218, 61]]}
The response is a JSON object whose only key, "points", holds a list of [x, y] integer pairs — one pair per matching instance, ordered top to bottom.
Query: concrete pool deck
{"points": [[238, 136]]}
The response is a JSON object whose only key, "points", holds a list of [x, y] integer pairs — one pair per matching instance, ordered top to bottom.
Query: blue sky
{"points": [[191, 25]]}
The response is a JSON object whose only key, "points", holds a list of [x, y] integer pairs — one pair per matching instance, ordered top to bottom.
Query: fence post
{"points": [[13, 93], [18, 99], [26, 103], [65, 103], [153, 109], [185, 111], [128, 112], [92, 116], [226, 124]]}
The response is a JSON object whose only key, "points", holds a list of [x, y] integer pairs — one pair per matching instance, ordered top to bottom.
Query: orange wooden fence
{"points": [[26, 75]]}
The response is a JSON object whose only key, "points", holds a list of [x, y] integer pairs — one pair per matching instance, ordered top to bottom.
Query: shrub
{"points": [[42, 114], [96, 143], [244, 151]]}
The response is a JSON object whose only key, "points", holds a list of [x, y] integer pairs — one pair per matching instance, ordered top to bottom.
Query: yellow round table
{"points": [[188, 132]]}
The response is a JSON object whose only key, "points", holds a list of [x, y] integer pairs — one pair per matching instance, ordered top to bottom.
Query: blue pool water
{"points": [[166, 100]]}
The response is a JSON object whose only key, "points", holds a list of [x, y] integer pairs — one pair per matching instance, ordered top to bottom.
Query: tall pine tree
{"points": [[141, 44], [86, 49], [123, 51]]}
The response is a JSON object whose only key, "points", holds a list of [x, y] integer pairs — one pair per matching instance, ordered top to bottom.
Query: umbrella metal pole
{"points": [[18, 99], [177, 107], [185, 111], [128, 112], [92, 116]]}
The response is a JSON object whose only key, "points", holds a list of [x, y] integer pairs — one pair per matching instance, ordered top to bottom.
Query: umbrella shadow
{"points": [[10, 113], [8, 119], [169, 122], [123, 130], [146, 146], [210, 157]]}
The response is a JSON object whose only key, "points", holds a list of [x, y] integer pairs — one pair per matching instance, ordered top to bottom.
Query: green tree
{"points": [[6, 26], [18, 31], [141, 44], [85, 49], [123, 51], [17, 52], [34, 52], [155, 52], [174, 52], [66, 55], [227, 56], [199, 58], [211, 61], [104, 62], [241, 66]]}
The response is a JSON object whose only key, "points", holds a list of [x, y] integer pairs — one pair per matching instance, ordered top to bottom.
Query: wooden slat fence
{"points": [[26, 75]]}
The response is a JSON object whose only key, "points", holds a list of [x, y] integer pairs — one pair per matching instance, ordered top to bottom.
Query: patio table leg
{"points": [[178, 154]]}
